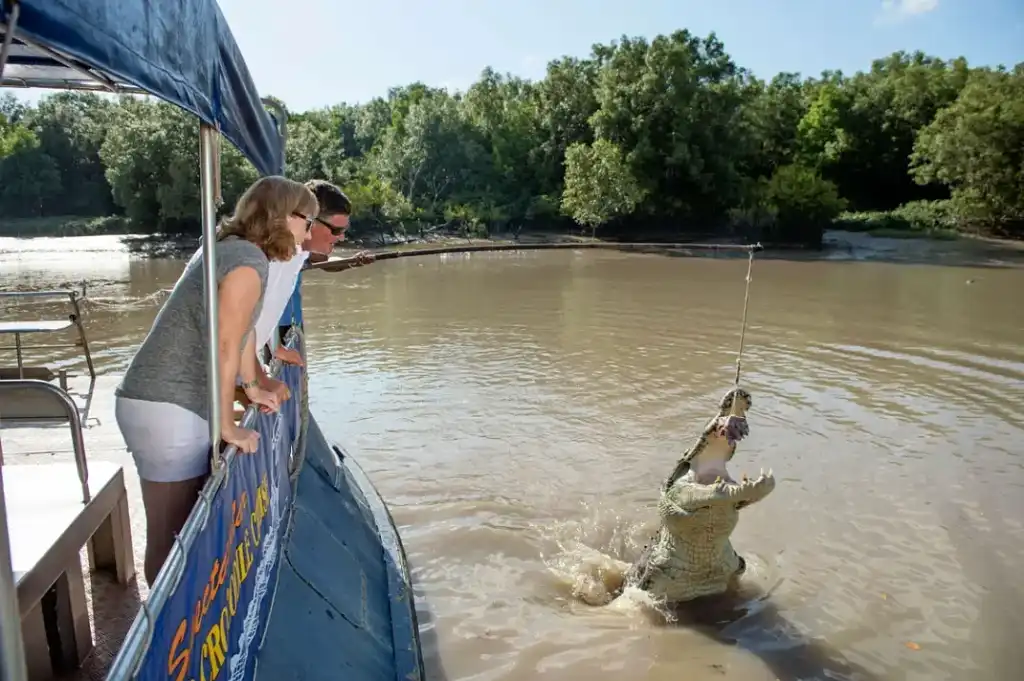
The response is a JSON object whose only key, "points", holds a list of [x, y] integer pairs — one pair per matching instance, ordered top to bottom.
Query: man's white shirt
{"points": [[281, 280]]}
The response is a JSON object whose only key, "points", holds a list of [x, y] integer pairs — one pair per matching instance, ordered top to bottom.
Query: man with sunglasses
{"points": [[325, 231], [282, 302]]}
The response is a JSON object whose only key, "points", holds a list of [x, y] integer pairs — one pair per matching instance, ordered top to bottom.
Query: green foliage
{"points": [[666, 135], [976, 148], [599, 185], [791, 206], [935, 219], [63, 225]]}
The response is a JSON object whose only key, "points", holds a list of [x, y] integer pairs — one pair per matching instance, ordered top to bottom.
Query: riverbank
{"points": [[875, 224], [64, 225], [839, 245], [161, 246]]}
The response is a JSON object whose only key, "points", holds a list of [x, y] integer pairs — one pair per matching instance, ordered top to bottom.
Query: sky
{"points": [[314, 53]]}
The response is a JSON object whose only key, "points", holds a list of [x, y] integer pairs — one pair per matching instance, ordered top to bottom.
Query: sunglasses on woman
{"points": [[309, 220]]}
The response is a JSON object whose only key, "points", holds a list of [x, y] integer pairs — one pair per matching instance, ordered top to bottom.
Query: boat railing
{"points": [[18, 328], [60, 397], [192, 554]]}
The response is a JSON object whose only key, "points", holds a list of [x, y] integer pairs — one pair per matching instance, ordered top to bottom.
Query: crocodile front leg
{"points": [[686, 496], [692, 556]]}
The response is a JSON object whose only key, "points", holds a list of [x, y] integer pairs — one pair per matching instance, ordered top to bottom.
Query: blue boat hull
{"points": [[344, 605]]}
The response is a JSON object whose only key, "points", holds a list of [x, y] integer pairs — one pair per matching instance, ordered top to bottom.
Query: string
{"points": [[743, 327]]}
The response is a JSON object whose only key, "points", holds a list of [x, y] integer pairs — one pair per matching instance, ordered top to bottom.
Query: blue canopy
{"points": [[181, 51]]}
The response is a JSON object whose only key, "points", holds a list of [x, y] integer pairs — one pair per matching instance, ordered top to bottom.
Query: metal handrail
{"points": [[207, 175], [74, 420], [140, 634], [12, 647]]}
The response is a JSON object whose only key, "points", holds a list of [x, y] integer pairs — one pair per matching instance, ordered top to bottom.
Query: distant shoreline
{"points": [[839, 245]]}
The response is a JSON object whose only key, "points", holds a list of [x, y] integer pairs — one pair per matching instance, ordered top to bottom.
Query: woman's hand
{"points": [[289, 356], [246, 440]]}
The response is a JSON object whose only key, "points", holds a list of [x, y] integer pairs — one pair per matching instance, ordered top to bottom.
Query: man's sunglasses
{"points": [[335, 231]]}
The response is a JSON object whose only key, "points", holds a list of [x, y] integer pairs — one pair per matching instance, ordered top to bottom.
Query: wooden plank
{"points": [[111, 547], [74, 635], [37, 649]]}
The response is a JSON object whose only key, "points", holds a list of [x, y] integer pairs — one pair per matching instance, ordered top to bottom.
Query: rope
{"points": [[743, 327]]}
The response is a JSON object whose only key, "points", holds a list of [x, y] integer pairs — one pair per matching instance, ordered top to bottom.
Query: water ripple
{"points": [[519, 412]]}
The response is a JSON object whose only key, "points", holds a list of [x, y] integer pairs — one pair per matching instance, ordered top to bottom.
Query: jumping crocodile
{"points": [[691, 556]]}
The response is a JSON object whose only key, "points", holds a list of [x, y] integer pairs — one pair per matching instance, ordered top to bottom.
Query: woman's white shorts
{"points": [[169, 443]]}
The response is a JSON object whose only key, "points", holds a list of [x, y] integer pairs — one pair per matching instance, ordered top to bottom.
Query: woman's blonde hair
{"points": [[261, 215]]}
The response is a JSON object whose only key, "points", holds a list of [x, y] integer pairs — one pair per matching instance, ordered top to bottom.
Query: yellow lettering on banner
{"points": [[232, 568]]}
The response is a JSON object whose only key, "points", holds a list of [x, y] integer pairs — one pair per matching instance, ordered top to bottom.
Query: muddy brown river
{"points": [[518, 411]]}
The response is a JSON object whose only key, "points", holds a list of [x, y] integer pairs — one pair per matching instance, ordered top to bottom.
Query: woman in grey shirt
{"points": [[162, 404]]}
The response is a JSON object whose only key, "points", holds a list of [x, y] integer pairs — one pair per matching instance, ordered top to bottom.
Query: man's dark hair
{"points": [[331, 199]]}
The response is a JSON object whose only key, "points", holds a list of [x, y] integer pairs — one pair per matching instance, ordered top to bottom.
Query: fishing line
{"points": [[746, 305]]}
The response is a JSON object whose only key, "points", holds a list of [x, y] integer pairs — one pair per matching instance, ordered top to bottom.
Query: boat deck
{"points": [[43, 491]]}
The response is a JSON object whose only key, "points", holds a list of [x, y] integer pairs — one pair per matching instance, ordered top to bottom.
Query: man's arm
{"points": [[342, 264], [288, 356]]}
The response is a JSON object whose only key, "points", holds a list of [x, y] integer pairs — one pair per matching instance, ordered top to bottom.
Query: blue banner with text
{"points": [[212, 623]]}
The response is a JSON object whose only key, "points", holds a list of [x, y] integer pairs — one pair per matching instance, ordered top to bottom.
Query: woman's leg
{"points": [[171, 449], [167, 507]]}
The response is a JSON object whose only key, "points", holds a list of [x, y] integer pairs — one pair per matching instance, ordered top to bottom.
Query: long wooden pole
{"points": [[338, 264]]}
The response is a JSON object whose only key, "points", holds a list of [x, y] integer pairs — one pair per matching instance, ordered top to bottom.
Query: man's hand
{"points": [[361, 258], [289, 356], [279, 389], [267, 401]]}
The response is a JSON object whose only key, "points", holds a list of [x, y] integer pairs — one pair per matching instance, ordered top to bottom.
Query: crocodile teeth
{"points": [[770, 474]]}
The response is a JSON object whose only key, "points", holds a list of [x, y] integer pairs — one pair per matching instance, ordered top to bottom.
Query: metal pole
{"points": [[12, 23], [281, 120], [208, 192], [77, 319], [12, 648]]}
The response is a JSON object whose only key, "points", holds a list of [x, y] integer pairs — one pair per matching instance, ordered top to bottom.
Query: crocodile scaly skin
{"points": [[692, 555]]}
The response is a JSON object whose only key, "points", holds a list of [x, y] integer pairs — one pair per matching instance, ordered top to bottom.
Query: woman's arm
{"points": [[237, 296], [251, 371]]}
